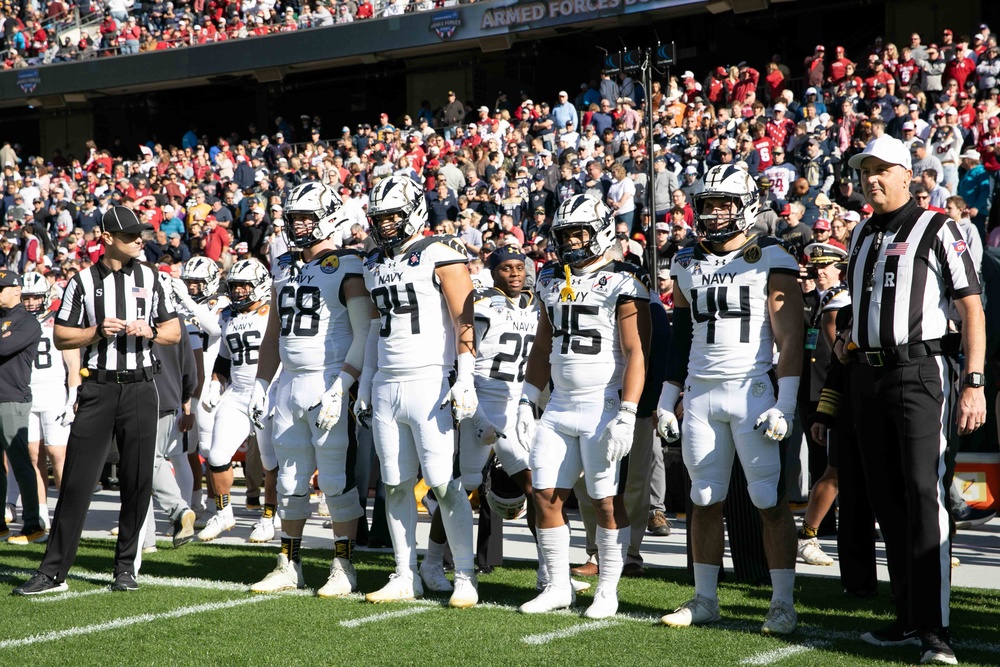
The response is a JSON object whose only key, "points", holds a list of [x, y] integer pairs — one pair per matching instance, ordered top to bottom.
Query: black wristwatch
{"points": [[975, 380]]}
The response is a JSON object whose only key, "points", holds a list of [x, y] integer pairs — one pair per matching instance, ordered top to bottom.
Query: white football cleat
{"points": [[9, 513], [218, 524], [263, 531], [812, 554], [287, 576], [434, 577], [343, 580], [401, 588], [466, 591], [550, 599], [605, 604], [696, 611], [781, 619]]}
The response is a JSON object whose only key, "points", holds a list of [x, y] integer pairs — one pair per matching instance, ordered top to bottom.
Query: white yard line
{"points": [[70, 595], [384, 616], [127, 622], [572, 631], [773, 656]]}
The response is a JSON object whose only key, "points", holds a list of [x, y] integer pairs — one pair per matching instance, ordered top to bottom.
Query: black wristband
{"points": [[156, 332]]}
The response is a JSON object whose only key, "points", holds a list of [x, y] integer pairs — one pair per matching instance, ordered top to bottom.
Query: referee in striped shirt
{"points": [[906, 265], [114, 311]]}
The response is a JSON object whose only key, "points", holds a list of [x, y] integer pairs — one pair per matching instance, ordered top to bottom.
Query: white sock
{"points": [[401, 512], [456, 515], [612, 544], [554, 545], [435, 552], [543, 570], [706, 581], [783, 584]]}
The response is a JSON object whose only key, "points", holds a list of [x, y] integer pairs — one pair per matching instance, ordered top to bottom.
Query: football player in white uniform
{"points": [[734, 298], [200, 304], [423, 320], [243, 323], [317, 330], [592, 338], [53, 408]]}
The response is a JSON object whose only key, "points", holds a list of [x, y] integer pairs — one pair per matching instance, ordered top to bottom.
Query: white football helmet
{"points": [[736, 185], [397, 195], [319, 204], [582, 212], [248, 272], [201, 275], [35, 285], [505, 497]]}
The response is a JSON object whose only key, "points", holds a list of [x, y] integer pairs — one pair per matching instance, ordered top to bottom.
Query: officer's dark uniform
{"points": [[19, 336], [117, 398]]}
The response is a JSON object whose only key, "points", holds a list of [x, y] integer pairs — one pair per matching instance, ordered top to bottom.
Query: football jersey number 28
{"points": [[715, 306], [519, 356]]}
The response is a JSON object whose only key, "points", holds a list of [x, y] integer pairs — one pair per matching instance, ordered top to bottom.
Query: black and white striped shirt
{"points": [[905, 267], [132, 293]]}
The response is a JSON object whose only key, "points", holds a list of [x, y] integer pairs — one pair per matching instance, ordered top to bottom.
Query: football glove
{"points": [[462, 394], [212, 396], [331, 402], [258, 403], [363, 405], [69, 411], [526, 415], [778, 418], [666, 421], [486, 432], [617, 436]]}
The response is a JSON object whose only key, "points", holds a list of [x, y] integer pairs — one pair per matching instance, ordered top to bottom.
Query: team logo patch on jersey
{"points": [[960, 247], [752, 254], [414, 258], [330, 264], [696, 269], [601, 285], [498, 303], [263, 310], [5, 326], [758, 389], [610, 404]]}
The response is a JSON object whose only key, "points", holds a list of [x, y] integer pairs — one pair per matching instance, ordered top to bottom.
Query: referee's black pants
{"points": [[129, 412], [903, 418]]}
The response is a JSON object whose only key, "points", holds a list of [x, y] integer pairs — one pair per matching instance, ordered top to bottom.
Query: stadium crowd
{"points": [[64, 31], [495, 173]]}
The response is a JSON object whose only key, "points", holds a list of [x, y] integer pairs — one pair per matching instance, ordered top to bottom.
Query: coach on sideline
{"points": [[906, 264], [114, 310]]}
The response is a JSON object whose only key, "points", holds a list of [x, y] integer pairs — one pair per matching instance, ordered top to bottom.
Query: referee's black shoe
{"points": [[124, 582], [39, 585], [894, 635], [935, 649]]}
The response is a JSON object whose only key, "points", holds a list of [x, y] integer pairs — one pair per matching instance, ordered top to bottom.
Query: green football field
{"points": [[194, 609]]}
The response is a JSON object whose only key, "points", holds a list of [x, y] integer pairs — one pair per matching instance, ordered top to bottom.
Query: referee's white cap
{"points": [[884, 148]]}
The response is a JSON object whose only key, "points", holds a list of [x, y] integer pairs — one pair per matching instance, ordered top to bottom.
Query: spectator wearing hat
{"points": [[815, 67], [933, 67], [564, 112], [452, 113], [922, 160], [816, 167], [664, 183], [974, 187], [795, 232], [822, 232], [176, 250]]}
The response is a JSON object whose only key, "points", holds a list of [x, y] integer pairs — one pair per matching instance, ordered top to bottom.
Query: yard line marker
{"points": [[70, 595], [384, 616], [127, 622], [545, 638], [770, 657]]}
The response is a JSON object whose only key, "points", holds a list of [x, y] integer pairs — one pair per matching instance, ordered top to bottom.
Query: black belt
{"points": [[901, 354], [120, 377]]}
